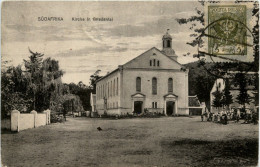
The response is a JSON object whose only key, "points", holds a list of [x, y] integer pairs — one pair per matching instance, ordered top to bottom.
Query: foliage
{"points": [[255, 32], [93, 79], [200, 82], [37, 87], [13, 90], [82, 91], [227, 97], [243, 97], [217, 102], [72, 103]]}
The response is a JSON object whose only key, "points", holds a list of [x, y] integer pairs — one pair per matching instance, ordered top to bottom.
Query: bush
{"points": [[57, 118]]}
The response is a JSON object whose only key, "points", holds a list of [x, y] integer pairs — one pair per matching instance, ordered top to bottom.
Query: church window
{"points": [[168, 43], [151, 63], [158, 63], [138, 84], [170, 85], [116, 86], [154, 86], [111, 88], [108, 89], [103, 90], [97, 93], [154, 104]]}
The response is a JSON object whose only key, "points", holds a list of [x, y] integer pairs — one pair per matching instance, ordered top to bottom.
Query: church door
{"points": [[138, 105], [170, 106]]}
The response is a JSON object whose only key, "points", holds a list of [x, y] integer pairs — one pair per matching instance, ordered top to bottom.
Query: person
{"points": [[64, 114], [235, 114], [238, 114], [202, 116], [210, 116], [219, 117], [254, 117], [225, 118]]}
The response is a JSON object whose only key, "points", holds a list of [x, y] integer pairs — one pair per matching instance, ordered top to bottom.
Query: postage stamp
{"points": [[228, 31]]}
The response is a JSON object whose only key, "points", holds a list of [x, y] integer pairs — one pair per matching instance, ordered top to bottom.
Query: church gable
{"points": [[153, 59]]}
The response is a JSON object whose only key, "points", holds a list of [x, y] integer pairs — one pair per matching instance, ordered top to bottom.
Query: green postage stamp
{"points": [[227, 30]]}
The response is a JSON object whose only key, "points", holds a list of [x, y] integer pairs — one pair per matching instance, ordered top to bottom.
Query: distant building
{"points": [[153, 81], [234, 90], [93, 102]]}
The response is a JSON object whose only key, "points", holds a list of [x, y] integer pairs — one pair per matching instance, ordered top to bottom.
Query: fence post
{"points": [[46, 116], [49, 116], [35, 117], [15, 118]]}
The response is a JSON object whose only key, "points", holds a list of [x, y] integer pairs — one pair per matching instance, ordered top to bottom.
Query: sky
{"points": [[82, 47]]}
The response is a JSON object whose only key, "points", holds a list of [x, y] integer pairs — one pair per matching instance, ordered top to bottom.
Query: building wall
{"points": [[180, 88], [112, 95]]}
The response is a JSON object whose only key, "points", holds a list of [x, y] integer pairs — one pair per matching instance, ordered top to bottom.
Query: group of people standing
{"points": [[235, 114]]}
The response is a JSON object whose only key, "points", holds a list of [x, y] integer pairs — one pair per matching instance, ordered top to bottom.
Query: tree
{"points": [[255, 12], [33, 66], [44, 78], [93, 79], [13, 90], [227, 97], [243, 97], [217, 102]]}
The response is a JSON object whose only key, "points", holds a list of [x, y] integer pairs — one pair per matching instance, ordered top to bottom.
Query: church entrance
{"points": [[138, 105], [170, 107]]}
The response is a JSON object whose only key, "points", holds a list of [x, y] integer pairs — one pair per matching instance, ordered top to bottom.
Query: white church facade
{"points": [[153, 81]]}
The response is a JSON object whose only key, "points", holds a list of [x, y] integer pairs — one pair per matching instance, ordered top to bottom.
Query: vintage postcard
{"points": [[129, 83]]}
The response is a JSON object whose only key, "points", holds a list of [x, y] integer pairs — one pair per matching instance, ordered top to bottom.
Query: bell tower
{"points": [[167, 46]]}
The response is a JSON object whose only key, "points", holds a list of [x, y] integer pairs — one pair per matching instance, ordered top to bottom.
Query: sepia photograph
{"points": [[130, 83]]}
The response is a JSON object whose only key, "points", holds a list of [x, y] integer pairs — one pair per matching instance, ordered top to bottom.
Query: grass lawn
{"points": [[166, 141]]}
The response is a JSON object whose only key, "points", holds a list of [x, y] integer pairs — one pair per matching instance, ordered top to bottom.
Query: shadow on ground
{"points": [[242, 152]]}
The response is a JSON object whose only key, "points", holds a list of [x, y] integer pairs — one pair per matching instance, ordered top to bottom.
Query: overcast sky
{"points": [[84, 47]]}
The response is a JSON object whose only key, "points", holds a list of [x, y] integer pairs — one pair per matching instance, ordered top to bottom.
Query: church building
{"points": [[153, 81]]}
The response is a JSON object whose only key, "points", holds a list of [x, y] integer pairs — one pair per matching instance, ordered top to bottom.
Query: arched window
{"points": [[168, 43], [154, 62], [151, 63], [158, 63], [138, 84], [170, 85], [116, 86], [154, 86], [111, 88], [103, 90], [108, 90]]}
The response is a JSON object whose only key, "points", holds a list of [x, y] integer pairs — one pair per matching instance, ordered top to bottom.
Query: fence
{"points": [[30, 120]]}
